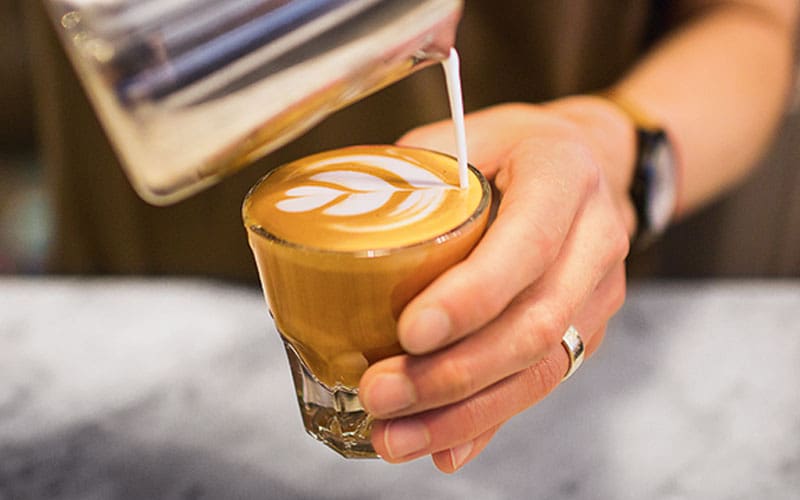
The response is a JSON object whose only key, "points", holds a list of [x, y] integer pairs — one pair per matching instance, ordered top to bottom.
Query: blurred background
{"points": [[24, 210], [754, 231]]}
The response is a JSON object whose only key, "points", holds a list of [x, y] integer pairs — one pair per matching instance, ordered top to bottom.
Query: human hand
{"points": [[484, 339]]}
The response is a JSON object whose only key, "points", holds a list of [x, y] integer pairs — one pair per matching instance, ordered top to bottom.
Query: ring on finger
{"points": [[573, 344]]}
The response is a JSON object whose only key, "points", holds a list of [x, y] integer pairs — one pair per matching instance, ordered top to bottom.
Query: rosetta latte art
{"points": [[352, 191], [363, 198]]}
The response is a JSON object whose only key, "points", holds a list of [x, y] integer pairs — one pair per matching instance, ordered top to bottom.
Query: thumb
{"points": [[491, 134]]}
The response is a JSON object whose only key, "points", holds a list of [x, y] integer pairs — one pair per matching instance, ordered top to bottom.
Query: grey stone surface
{"points": [[180, 390]]}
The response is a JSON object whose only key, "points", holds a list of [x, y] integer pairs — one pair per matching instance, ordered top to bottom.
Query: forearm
{"points": [[718, 84]]}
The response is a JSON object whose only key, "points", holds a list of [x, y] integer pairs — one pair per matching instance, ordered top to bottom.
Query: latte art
{"points": [[346, 191], [364, 197]]}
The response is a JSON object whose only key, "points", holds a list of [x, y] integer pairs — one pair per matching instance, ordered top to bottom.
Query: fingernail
{"points": [[426, 332], [389, 393], [404, 437], [459, 454]]}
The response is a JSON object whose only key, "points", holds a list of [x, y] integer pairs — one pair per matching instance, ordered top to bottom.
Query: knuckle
{"points": [[572, 149], [591, 174], [502, 180], [546, 239], [622, 244], [617, 246], [619, 294], [469, 309], [553, 321], [539, 329], [525, 347], [542, 377], [457, 381], [473, 413]]}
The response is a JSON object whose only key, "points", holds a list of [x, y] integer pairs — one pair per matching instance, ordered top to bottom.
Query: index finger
{"points": [[491, 134], [544, 185]]}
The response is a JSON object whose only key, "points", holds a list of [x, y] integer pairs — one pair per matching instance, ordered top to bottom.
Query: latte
{"points": [[363, 198], [343, 240]]}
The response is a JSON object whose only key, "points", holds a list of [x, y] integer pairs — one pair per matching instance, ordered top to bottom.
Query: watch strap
{"points": [[649, 132]]}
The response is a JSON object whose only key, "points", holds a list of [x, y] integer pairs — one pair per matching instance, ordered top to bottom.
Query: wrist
{"points": [[611, 134], [654, 183]]}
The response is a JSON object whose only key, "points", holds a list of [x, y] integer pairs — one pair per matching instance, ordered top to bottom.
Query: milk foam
{"points": [[349, 193], [364, 197]]}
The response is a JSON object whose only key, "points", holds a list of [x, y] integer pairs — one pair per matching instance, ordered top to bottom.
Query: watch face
{"points": [[662, 184]]}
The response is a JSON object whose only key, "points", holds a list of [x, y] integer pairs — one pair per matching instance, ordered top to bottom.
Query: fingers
{"points": [[491, 134], [550, 186], [605, 302], [487, 333], [518, 338], [474, 420], [457, 433], [454, 458]]}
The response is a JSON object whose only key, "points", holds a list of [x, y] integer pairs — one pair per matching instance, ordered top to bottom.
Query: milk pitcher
{"points": [[190, 90]]}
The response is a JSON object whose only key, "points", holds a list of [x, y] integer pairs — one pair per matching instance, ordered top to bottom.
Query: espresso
{"points": [[345, 238]]}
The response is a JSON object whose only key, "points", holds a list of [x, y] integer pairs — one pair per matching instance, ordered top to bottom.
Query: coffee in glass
{"points": [[343, 240]]}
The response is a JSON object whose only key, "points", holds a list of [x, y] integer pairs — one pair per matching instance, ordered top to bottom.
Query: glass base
{"points": [[333, 416]]}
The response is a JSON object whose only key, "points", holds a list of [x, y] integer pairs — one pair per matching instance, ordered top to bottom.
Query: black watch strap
{"points": [[644, 187], [653, 189]]}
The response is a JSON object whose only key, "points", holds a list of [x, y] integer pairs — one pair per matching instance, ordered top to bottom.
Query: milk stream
{"points": [[452, 75], [346, 193]]}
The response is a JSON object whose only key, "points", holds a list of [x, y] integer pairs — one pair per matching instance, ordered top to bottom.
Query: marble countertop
{"points": [[179, 389]]}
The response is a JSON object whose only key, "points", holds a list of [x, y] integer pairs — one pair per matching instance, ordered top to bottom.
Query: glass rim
{"points": [[483, 206]]}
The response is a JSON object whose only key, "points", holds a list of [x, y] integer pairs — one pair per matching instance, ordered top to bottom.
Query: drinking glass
{"points": [[336, 312]]}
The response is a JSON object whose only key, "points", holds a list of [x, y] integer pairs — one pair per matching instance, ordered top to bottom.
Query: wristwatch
{"points": [[654, 188]]}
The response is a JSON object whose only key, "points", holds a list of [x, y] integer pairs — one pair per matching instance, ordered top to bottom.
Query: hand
{"points": [[483, 340]]}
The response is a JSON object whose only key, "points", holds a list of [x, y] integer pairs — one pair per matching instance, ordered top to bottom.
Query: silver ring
{"points": [[574, 345]]}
